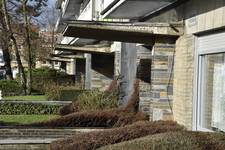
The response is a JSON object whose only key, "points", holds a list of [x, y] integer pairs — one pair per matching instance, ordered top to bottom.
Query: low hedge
{"points": [[10, 88], [63, 93], [10, 108], [102, 118], [94, 140], [184, 140]]}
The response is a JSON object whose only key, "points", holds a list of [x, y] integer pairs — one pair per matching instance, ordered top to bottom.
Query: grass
{"points": [[26, 98], [24, 119]]}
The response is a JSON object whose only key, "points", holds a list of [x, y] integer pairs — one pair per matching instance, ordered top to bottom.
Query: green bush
{"points": [[46, 76], [10, 87], [63, 93], [97, 100], [91, 101], [10, 108]]}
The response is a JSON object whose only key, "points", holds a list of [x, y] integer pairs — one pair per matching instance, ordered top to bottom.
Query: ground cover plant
{"points": [[13, 108], [94, 140], [183, 140]]}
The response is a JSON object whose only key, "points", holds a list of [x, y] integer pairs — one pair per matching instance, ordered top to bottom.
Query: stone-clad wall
{"points": [[183, 80], [99, 81], [162, 81], [145, 87]]}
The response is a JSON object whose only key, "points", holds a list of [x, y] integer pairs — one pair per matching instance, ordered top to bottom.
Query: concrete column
{"points": [[117, 60], [88, 71], [128, 71]]}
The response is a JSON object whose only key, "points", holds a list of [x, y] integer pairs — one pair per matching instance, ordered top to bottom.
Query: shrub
{"points": [[47, 76], [10, 88], [62, 93], [91, 100], [94, 100], [10, 108], [103, 118], [94, 140], [175, 141]]}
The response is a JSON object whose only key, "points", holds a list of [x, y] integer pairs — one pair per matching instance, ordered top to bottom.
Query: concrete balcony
{"points": [[70, 8], [133, 9]]}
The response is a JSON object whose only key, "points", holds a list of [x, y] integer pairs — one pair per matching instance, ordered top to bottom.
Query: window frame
{"points": [[199, 82]]}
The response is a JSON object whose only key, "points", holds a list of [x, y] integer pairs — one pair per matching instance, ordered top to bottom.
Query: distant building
{"points": [[2, 64]]}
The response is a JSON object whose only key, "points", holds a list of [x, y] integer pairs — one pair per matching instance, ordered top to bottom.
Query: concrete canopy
{"points": [[71, 9], [134, 9], [123, 32], [71, 48], [71, 56], [57, 59]]}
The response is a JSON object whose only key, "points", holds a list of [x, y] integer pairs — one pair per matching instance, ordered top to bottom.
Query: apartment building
{"points": [[175, 47]]}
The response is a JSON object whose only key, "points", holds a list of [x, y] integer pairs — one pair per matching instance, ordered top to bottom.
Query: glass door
{"points": [[212, 92]]}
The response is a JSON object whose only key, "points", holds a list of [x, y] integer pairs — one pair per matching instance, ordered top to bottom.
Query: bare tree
{"points": [[27, 11], [4, 38], [14, 42]]}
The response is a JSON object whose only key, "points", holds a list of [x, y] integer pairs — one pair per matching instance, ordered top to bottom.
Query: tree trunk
{"points": [[14, 42], [28, 44], [5, 49], [7, 60], [20, 65]]}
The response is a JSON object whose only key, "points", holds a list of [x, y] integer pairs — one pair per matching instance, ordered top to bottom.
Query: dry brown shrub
{"points": [[112, 86], [133, 102], [69, 108], [99, 118], [103, 118], [94, 140], [181, 140]]}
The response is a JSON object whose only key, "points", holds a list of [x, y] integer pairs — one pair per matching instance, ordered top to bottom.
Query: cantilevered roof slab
{"points": [[71, 8], [134, 9], [124, 32], [71, 48], [71, 56], [57, 59]]}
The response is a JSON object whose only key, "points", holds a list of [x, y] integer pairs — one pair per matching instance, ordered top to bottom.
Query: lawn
{"points": [[26, 98], [24, 119]]}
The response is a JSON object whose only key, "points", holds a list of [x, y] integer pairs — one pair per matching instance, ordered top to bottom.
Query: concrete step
{"points": [[41, 132], [35, 138], [25, 147]]}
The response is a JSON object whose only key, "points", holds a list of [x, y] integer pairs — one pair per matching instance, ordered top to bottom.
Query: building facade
{"points": [[182, 75]]}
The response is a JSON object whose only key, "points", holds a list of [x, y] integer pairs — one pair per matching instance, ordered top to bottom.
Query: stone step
{"points": [[41, 133], [35, 138], [24, 147]]}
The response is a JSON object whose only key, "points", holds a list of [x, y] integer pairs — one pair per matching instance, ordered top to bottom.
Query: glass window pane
{"points": [[213, 97]]}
